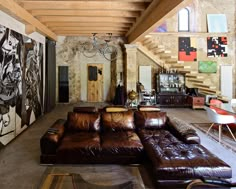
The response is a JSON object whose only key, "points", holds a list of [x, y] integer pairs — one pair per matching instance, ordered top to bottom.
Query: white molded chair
{"points": [[233, 102], [220, 120]]}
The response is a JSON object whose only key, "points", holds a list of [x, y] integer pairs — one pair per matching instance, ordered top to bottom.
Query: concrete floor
{"points": [[19, 160]]}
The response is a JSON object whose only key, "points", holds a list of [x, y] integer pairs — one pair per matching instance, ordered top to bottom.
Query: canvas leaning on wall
{"points": [[21, 83]]}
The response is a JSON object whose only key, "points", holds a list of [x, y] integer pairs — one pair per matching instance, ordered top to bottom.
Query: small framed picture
{"points": [[217, 23]]}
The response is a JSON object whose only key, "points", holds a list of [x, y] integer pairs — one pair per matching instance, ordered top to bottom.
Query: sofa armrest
{"points": [[183, 130], [51, 139]]}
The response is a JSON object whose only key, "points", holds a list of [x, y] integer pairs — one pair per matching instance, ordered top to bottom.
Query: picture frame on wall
{"points": [[217, 23], [207, 66]]}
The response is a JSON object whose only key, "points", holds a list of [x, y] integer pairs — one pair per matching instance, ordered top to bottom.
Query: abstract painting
{"points": [[161, 28], [217, 46], [187, 49], [21, 61]]}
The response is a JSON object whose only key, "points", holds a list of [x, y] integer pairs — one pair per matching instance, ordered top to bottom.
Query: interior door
{"points": [[95, 83]]}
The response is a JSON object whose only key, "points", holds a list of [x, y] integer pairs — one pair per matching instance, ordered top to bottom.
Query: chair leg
{"points": [[210, 128], [220, 132], [231, 132]]}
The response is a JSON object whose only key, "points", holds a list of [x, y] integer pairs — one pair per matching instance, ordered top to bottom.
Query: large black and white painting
{"points": [[21, 61]]}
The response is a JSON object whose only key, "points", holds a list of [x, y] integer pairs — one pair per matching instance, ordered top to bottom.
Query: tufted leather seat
{"points": [[124, 137], [175, 151], [174, 159]]}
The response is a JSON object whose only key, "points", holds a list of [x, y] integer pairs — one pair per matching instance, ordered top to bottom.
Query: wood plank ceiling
{"points": [[79, 17], [130, 18]]}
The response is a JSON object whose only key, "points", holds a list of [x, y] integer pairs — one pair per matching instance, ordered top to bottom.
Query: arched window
{"points": [[183, 20]]}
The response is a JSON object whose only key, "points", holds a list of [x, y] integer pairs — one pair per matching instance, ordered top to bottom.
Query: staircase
{"points": [[165, 58]]}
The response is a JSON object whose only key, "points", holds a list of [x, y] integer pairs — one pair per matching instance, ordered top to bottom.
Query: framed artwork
{"points": [[216, 23], [161, 28], [217, 46], [187, 49], [207, 67], [21, 83]]}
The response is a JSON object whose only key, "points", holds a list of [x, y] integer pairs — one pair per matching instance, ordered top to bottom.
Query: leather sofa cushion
{"points": [[117, 108], [148, 108], [85, 109], [150, 120], [83, 121], [118, 121], [183, 130], [51, 139], [121, 143], [78, 144], [173, 159]]}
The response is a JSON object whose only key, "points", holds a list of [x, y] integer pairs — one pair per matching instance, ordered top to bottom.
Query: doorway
{"points": [[63, 80], [95, 83]]}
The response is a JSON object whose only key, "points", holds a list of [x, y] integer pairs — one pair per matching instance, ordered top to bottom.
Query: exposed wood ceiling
{"points": [[130, 18]]}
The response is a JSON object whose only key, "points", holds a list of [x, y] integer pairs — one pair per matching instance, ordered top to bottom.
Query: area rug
{"points": [[227, 141], [92, 177]]}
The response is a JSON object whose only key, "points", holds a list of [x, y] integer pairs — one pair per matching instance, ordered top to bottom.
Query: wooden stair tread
{"points": [[147, 41], [151, 46], [164, 52], [168, 56], [180, 66], [187, 71], [194, 76], [196, 80], [204, 86]]}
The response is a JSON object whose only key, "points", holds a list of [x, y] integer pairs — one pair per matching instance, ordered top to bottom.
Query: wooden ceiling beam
{"points": [[133, 1], [84, 5], [85, 13], [21, 14], [155, 16], [85, 19], [86, 24], [88, 28], [29, 29], [88, 33]]}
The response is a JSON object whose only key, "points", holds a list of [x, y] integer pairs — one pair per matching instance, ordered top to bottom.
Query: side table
{"points": [[196, 102]]}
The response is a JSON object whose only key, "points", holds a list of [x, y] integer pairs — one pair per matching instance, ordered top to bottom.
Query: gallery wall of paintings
{"points": [[21, 83]]}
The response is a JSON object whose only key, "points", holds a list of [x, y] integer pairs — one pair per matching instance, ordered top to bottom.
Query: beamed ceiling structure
{"points": [[129, 18]]}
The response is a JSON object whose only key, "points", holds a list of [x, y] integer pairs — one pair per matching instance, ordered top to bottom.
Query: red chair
{"points": [[216, 102], [219, 111]]}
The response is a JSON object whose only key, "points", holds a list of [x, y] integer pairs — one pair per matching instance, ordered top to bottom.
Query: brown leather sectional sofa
{"points": [[128, 137]]}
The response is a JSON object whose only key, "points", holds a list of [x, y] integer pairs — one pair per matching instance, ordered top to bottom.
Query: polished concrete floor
{"points": [[19, 160]]}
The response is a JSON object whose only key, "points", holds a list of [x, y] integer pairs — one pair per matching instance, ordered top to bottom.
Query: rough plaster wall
{"points": [[198, 26], [68, 54], [143, 60]]}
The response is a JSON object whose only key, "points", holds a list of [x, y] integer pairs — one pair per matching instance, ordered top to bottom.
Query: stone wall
{"points": [[198, 30], [68, 53], [143, 60]]}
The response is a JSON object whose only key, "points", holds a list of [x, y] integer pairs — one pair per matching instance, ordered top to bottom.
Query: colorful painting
{"points": [[161, 28], [217, 46], [187, 49], [21, 61], [207, 67]]}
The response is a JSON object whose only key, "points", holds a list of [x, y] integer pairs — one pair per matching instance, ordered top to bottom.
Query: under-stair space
{"points": [[205, 83]]}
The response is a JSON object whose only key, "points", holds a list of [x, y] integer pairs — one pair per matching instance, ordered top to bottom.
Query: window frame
{"points": [[188, 17]]}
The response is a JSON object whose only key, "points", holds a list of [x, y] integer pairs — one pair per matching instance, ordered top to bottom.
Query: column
{"points": [[131, 67]]}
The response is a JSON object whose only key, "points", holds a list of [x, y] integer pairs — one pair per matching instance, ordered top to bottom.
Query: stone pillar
{"points": [[131, 67]]}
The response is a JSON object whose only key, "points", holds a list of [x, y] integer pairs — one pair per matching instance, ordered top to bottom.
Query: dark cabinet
{"points": [[170, 83], [171, 90], [175, 100]]}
